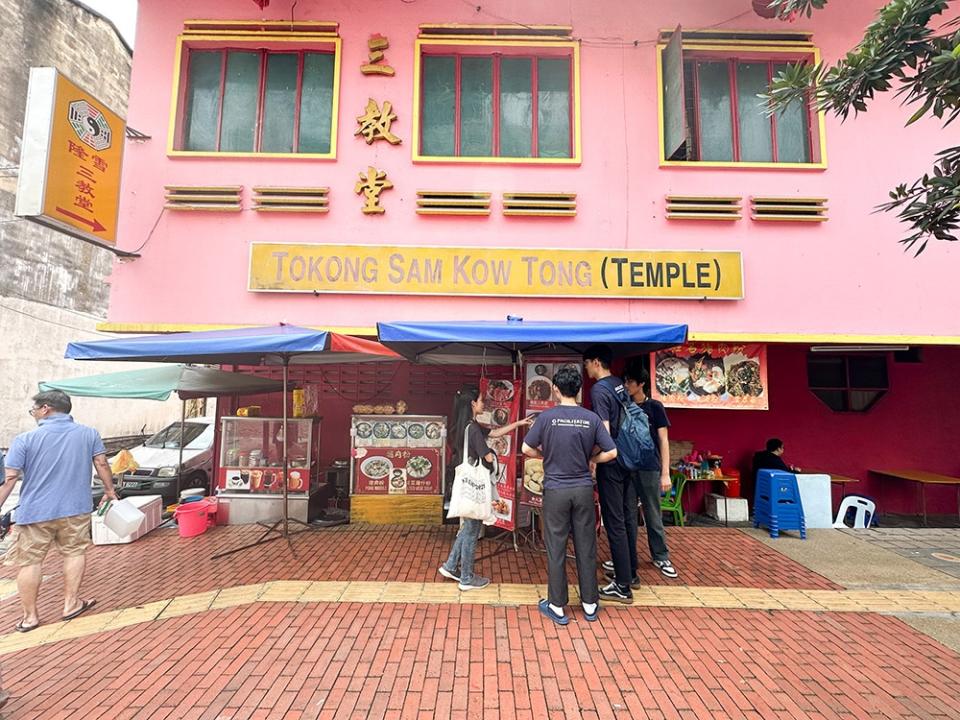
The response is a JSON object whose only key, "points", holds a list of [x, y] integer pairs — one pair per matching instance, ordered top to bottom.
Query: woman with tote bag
{"points": [[466, 434]]}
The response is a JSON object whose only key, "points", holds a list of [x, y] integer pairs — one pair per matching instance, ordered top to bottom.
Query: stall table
{"points": [[923, 478]]}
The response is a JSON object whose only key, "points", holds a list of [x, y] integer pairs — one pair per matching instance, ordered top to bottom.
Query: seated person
{"points": [[772, 458]]}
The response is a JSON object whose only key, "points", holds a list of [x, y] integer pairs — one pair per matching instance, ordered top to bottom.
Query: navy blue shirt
{"points": [[605, 398], [566, 435]]}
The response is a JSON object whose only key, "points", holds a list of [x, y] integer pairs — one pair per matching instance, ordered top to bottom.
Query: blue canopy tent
{"points": [[500, 342], [271, 345]]}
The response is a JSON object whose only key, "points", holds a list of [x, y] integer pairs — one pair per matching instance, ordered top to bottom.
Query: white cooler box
{"points": [[150, 505]]}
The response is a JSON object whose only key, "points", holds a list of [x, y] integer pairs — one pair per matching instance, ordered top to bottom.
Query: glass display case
{"points": [[251, 455]]}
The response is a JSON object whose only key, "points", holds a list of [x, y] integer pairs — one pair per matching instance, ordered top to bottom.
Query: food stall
{"points": [[397, 467], [250, 472]]}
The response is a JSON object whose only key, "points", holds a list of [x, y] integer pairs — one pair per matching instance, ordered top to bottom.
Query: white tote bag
{"points": [[472, 494]]}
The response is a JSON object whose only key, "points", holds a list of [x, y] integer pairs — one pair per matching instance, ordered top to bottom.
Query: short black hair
{"points": [[603, 353], [638, 374], [568, 381], [56, 399], [774, 444]]}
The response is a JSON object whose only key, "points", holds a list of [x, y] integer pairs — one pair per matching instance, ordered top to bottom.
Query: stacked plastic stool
{"points": [[776, 503]]}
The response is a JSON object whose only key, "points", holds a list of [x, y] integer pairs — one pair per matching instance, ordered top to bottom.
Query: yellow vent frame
{"points": [[206, 198], [270, 198], [453, 202], [540, 204], [704, 207], [788, 209]]}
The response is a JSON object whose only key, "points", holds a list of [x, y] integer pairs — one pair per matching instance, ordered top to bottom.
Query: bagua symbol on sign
{"points": [[90, 125]]}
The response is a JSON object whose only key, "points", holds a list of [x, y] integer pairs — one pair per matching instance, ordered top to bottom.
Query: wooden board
{"points": [[920, 476], [396, 509]]}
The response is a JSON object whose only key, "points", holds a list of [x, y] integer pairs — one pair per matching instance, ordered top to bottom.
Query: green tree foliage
{"points": [[900, 51]]}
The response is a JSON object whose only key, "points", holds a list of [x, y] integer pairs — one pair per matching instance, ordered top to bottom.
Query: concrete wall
{"points": [[54, 288]]}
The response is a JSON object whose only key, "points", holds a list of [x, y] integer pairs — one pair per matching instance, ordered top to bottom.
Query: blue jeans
{"points": [[463, 550]]}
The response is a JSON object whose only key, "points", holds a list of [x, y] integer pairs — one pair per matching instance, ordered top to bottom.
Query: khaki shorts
{"points": [[31, 542]]}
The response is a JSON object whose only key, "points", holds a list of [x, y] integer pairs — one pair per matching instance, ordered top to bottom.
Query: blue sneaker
{"points": [[545, 610], [592, 617]]}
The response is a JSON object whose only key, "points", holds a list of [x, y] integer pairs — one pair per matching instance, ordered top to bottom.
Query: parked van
{"points": [[158, 457]]}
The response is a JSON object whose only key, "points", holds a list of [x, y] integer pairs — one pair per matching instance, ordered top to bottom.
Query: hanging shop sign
{"points": [[71, 158], [486, 271], [713, 376]]}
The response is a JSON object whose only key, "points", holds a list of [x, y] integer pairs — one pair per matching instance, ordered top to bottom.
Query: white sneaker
{"points": [[666, 568], [447, 574]]}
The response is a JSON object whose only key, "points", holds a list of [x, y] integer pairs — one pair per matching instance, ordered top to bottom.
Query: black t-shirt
{"points": [[605, 398], [658, 419], [566, 435], [477, 444], [766, 460]]}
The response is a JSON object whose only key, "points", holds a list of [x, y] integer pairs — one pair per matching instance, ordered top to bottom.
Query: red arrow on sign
{"points": [[94, 224]]}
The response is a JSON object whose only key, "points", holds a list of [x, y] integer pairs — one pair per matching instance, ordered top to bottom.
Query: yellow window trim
{"points": [[253, 37], [743, 47], [417, 157], [149, 328], [371, 331], [824, 338]]}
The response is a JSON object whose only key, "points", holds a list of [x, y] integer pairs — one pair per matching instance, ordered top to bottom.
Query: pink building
{"points": [[553, 161]]}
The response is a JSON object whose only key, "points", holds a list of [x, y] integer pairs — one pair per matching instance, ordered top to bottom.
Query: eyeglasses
{"points": [[32, 410]]}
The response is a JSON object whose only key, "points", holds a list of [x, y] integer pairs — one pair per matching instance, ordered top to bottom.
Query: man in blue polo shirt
{"points": [[53, 463]]}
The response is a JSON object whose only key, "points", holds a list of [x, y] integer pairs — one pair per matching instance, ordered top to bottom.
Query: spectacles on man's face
{"points": [[34, 409]]}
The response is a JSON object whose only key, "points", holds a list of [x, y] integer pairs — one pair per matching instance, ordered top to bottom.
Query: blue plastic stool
{"points": [[776, 503]]}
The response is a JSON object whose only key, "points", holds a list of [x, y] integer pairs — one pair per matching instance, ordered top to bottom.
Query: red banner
{"points": [[501, 399]]}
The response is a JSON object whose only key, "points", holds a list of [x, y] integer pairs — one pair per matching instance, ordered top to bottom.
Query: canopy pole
{"points": [[183, 423], [286, 444]]}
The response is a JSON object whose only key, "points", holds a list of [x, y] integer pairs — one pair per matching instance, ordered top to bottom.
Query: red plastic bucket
{"points": [[192, 518]]}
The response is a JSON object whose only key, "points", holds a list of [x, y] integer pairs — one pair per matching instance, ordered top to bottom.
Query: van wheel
{"points": [[197, 479]]}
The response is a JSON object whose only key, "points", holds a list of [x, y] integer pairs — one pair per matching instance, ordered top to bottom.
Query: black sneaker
{"points": [[634, 582], [616, 593]]}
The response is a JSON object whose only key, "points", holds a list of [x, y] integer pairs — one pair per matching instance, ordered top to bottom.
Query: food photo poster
{"points": [[711, 375]]}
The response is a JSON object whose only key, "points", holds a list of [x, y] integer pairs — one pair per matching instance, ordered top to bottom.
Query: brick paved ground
{"points": [[163, 565], [250, 653], [442, 661]]}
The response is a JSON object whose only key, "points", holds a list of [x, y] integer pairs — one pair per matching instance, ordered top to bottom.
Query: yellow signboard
{"points": [[73, 150], [511, 272]]}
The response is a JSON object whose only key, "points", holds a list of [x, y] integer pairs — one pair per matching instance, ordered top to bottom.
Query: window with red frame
{"points": [[258, 101], [496, 106], [728, 122]]}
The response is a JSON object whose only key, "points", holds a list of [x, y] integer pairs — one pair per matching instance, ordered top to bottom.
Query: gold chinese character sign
{"points": [[376, 65], [374, 124], [371, 184]]}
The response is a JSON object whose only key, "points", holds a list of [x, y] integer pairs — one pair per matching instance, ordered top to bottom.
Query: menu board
{"points": [[538, 375], [712, 376], [501, 400], [397, 455], [407, 471]]}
